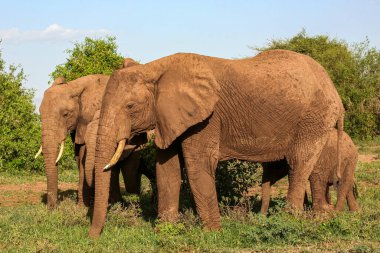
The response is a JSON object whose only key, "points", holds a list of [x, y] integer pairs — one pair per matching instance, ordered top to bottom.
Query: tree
{"points": [[92, 56], [355, 71], [19, 124]]}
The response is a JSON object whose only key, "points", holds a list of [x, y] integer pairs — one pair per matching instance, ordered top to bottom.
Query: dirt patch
{"points": [[368, 158], [30, 193]]}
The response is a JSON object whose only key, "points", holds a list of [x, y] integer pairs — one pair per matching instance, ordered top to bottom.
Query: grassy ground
{"points": [[27, 226]]}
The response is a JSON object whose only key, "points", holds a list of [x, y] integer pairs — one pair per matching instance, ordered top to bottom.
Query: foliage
{"points": [[92, 56], [355, 71], [19, 124], [234, 178]]}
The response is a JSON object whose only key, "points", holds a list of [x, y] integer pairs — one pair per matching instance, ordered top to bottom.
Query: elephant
{"points": [[276, 105], [71, 107], [130, 162], [322, 176]]}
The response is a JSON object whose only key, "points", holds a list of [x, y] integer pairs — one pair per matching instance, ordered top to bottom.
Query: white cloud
{"points": [[53, 32]]}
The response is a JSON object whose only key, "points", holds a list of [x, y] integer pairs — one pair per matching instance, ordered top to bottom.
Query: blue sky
{"points": [[36, 33]]}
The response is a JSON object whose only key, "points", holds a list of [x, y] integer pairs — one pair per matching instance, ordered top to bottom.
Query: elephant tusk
{"points": [[60, 151], [38, 153], [116, 156]]}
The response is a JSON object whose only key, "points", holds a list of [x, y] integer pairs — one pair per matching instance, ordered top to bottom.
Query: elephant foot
{"points": [[51, 200], [52, 205], [324, 208], [291, 209], [170, 216], [213, 227], [94, 232]]}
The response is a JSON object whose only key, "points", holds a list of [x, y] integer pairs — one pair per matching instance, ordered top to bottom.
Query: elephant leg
{"points": [[201, 154], [305, 156], [130, 172], [272, 172], [168, 174], [346, 184], [83, 189], [318, 193], [115, 194], [351, 201]]}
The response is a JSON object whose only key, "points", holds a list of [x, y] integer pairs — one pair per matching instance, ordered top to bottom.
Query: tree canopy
{"points": [[92, 56], [355, 71], [19, 124]]}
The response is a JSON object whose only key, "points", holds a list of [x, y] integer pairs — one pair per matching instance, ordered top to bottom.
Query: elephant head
{"points": [[169, 95], [66, 107]]}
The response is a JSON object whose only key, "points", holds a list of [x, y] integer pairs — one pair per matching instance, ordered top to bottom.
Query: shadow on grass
{"points": [[62, 195]]}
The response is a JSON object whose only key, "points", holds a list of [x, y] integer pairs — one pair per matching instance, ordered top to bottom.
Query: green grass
{"points": [[369, 146], [67, 176], [133, 228]]}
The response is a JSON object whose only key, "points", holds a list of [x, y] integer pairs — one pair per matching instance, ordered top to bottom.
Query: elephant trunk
{"points": [[113, 127], [90, 140], [106, 145], [50, 151]]}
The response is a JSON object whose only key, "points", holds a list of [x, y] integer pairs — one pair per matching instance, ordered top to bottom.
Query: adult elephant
{"points": [[278, 104], [70, 107]]}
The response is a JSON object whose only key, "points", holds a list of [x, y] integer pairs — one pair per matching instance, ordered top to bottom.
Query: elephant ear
{"points": [[129, 62], [59, 80], [85, 88], [186, 94]]}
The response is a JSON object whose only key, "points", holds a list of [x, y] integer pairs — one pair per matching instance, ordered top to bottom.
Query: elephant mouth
{"points": [[61, 148], [115, 158]]}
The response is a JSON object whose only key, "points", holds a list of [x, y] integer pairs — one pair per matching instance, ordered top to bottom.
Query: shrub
{"points": [[92, 56], [19, 124], [234, 178]]}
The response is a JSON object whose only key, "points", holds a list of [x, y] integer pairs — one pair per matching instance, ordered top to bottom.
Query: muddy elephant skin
{"points": [[278, 104], [321, 177]]}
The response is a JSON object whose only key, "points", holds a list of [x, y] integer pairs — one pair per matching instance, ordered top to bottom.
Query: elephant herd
{"points": [[279, 108]]}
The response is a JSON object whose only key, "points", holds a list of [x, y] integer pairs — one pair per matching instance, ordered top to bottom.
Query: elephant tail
{"points": [[340, 122], [356, 191]]}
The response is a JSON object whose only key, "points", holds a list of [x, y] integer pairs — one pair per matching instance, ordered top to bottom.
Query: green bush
{"points": [[92, 56], [355, 71], [19, 124], [234, 178]]}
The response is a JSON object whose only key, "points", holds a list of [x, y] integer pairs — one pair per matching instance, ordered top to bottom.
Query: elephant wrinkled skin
{"points": [[278, 104], [321, 177]]}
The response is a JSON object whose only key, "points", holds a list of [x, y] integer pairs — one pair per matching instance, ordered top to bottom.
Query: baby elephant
{"points": [[321, 177]]}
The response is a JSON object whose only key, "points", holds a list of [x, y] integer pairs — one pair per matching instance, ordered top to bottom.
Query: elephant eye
{"points": [[130, 105], [65, 114]]}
